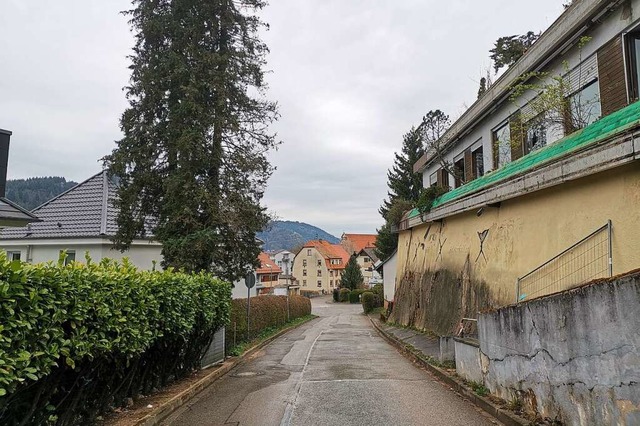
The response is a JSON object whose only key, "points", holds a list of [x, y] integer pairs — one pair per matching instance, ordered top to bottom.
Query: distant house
{"points": [[11, 214], [78, 221], [354, 243], [366, 259], [319, 265], [268, 274]]}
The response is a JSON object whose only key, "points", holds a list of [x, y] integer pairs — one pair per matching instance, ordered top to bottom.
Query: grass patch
{"points": [[242, 347], [478, 388]]}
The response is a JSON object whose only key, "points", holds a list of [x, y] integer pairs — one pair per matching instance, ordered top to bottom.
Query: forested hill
{"points": [[30, 193], [287, 235]]}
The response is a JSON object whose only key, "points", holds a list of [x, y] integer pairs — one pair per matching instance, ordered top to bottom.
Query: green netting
{"points": [[604, 128]]}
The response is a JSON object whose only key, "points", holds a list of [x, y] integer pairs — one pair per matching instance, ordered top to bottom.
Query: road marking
{"points": [[291, 406]]}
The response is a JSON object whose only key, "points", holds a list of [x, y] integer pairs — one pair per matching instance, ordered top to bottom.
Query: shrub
{"points": [[344, 294], [336, 295], [354, 296], [368, 301], [266, 311], [76, 340]]}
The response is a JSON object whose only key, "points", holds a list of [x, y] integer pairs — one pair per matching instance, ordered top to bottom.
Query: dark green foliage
{"points": [[509, 49], [483, 87], [193, 155], [403, 183], [32, 192], [427, 197], [286, 235], [386, 242], [352, 277], [378, 290], [344, 294], [336, 295], [354, 296], [368, 301], [266, 311], [78, 339]]}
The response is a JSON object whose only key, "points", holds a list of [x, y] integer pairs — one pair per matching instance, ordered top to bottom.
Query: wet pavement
{"points": [[334, 370]]}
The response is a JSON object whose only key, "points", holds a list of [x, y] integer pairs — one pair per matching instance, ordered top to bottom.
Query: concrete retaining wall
{"points": [[467, 355], [573, 357]]}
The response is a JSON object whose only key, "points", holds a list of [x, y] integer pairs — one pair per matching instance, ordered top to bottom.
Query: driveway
{"points": [[335, 370]]}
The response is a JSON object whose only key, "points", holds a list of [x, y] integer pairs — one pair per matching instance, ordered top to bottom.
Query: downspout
{"points": [[29, 258]]}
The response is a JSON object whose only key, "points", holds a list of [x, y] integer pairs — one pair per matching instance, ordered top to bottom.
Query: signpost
{"points": [[249, 281]]}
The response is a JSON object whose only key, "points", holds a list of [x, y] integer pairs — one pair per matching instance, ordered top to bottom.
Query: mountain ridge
{"points": [[288, 234]]}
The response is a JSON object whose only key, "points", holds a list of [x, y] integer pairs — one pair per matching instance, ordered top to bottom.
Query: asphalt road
{"points": [[335, 370]]}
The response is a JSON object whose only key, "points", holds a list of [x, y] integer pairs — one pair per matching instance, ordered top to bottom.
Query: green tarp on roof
{"points": [[604, 128]]}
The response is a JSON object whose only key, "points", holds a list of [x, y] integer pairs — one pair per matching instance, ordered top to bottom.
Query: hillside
{"points": [[30, 193], [286, 235]]}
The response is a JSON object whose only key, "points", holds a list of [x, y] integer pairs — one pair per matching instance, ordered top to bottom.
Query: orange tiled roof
{"points": [[359, 241], [330, 251], [267, 266]]}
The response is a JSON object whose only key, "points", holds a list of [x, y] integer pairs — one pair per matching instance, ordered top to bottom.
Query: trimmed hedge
{"points": [[344, 294], [336, 295], [354, 296], [368, 301], [266, 311], [77, 340]]}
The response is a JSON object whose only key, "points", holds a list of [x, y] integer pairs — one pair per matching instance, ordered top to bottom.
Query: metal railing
{"points": [[586, 260]]}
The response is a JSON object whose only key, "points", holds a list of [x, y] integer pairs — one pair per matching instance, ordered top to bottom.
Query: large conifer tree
{"points": [[192, 160], [404, 189], [352, 277]]}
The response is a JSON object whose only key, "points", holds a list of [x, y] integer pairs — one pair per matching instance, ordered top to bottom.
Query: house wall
{"points": [[620, 20], [524, 232], [141, 254], [284, 260], [369, 274], [389, 277], [310, 281], [572, 357]]}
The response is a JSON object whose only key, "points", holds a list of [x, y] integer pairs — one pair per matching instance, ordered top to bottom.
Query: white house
{"points": [[80, 220], [389, 274]]}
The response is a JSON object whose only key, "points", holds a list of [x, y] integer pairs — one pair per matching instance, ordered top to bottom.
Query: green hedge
{"points": [[344, 294], [368, 301], [266, 311], [77, 340]]}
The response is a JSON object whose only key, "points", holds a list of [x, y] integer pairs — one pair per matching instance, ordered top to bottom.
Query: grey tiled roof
{"points": [[85, 210], [12, 214]]}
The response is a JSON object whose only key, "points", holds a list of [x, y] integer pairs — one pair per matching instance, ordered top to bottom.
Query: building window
{"points": [[633, 52], [584, 106], [536, 136], [502, 145], [477, 162], [458, 169], [433, 179], [308, 252], [13, 255], [71, 256], [366, 259], [304, 262], [319, 262], [279, 263], [304, 272], [319, 272], [331, 273], [304, 283], [319, 283], [331, 283]]}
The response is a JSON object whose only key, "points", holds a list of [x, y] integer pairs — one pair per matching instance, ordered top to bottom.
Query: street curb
{"points": [[164, 410], [504, 416]]}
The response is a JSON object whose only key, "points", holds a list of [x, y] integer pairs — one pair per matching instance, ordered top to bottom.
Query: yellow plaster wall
{"points": [[527, 231]]}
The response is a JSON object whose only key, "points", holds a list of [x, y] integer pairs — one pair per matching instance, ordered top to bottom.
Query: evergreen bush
{"points": [[344, 294], [368, 301], [77, 340]]}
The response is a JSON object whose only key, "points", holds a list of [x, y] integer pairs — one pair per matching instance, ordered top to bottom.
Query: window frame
{"points": [[496, 142]]}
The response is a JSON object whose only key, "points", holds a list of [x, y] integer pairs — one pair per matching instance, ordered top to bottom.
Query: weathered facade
{"points": [[319, 265]]}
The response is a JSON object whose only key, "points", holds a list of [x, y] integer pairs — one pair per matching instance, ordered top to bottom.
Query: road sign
{"points": [[250, 280]]}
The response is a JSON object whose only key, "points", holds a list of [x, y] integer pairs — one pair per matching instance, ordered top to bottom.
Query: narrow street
{"points": [[335, 370]]}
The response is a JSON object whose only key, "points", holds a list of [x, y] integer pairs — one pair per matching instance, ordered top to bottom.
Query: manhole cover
{"points": [[248, 374]]}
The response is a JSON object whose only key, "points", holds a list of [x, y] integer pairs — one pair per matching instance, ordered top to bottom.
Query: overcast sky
{"points": [[351, 77]]}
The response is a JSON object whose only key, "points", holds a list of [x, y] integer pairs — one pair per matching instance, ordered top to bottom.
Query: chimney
{"points": [[5, 135]]}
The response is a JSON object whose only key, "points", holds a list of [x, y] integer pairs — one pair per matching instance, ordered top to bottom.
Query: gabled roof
{"points": [[85, 210], [12, 214], [359, 241], [330, 251], [370, 252], [267, 266]]}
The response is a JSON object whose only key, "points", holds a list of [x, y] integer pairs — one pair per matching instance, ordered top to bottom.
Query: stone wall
{"points": [[572, 357]]}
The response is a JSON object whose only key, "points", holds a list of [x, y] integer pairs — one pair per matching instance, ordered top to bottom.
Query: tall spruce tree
{"points": [[192, 164], [404, 189], [352, 277]]}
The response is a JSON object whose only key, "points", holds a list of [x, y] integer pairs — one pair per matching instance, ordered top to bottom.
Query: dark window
{"points": [[633, 53], [585, 106], [536, 136], [502, 145], [477, 160], [458, 169], [433, 179], [308, 252], [13, 255], [71, 256], [304, 262], [319, 262], [304, 272], [319, 272], [304, 283], [319, 283]]}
